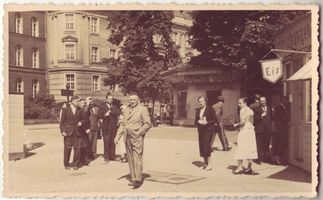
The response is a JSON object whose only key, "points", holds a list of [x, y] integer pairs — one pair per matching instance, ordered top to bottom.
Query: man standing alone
{"points": [[109, 114], [134, 125]]}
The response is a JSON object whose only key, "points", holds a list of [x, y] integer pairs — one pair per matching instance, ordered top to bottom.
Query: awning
{"points": [[303, 73]]}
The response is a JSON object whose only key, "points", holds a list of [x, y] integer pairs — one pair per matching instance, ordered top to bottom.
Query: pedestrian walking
{"points": [[218, 109], [92, 110], [109, 116], [71, 120], [205, 120], [134, 126], [263, 127], [280, 135], [246, 142], [121, 145]]}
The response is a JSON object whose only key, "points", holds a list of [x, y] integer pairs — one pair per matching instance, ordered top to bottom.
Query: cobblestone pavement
{"points": [[171, 168]]}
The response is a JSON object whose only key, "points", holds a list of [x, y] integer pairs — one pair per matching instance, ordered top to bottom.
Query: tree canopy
{"points": [[235, 39], [146, 49]]}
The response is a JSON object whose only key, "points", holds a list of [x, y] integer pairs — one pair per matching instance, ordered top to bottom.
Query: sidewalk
{"points": [[171, 167]]}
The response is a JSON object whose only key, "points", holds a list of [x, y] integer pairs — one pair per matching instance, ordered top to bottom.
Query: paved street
{"points": [[171, 167]]}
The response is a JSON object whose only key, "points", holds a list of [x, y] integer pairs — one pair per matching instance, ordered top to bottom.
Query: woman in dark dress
{"points": [[205, 120]]}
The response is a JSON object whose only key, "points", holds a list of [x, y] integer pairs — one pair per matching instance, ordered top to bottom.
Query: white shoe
{"points": [[208, 168]]}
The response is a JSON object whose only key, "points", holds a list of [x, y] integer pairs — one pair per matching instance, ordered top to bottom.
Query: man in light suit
{"points": [[134, 125]]}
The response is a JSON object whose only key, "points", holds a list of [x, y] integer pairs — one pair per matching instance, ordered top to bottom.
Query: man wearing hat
{"points": [[218, 109]]}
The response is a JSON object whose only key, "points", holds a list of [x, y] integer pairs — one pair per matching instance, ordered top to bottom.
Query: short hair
{"points": [[108, 94], [257, 96], [201, 97], [75, 98], [221, 98], [244, 99]]}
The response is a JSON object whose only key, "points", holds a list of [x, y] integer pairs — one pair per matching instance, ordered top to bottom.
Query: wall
{"points": [[16, 126]]}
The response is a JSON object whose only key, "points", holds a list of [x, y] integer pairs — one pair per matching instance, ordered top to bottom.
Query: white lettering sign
{"points": [[272, 70]]}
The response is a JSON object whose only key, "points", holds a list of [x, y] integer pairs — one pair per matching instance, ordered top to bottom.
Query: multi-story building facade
{"points": [[78, 47], [77, 51], [27, 52]]}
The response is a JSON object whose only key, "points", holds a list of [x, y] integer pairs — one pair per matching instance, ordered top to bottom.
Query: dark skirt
{"points": [[205, 140]]}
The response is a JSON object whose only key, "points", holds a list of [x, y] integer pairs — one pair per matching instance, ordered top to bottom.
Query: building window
{"points": [[69, 22], [19, 24], [94, 25], [34, 27], [70, 51], [112, 53], [95, 54], [19, 56], [35, 58], [70, 81], [96, 83], [19, 86], [35, 88], [308, 91], [182, 97]]}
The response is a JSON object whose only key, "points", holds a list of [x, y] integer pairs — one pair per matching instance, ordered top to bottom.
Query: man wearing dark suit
{"points": [[218, 109], [109, 115], [70, 122], [134, 125], [94, 127], [263, 129], [84, 131]]}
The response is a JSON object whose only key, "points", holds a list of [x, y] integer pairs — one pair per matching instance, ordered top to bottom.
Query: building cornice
{"points": [[84, 14], [26, 36], [26, 69], [79, 69]]}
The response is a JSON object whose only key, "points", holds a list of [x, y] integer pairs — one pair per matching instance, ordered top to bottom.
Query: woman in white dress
{"points": [[247, 146]]}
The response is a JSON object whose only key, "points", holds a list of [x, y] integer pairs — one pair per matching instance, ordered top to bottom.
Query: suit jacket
{"points": [[218, 110], [93, 112], [210, 118], [69, 121], [110, 123], [134, 123], [263, 124]]}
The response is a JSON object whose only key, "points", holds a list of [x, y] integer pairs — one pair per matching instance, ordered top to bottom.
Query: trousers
{"points": [[134, 149]]}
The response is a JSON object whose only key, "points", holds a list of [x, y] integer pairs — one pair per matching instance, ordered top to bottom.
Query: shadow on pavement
{"points": [[30, 147], [198, 164], [291, 173], [128, 177]]}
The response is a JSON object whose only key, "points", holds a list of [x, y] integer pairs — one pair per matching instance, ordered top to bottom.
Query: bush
{"points": [[41, 107]]}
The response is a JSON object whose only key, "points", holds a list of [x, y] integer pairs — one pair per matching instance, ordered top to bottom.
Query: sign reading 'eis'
{"points": [[272, 70]]}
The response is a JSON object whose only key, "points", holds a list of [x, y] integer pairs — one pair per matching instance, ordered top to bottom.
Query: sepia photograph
{"points": [[160, 100]]}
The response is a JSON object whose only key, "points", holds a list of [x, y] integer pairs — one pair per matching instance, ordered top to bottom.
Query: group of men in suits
{"points": [[79, 124], [271, 129]]}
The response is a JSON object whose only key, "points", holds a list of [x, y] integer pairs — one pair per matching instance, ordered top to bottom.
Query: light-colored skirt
{"points": [[247, 145]]}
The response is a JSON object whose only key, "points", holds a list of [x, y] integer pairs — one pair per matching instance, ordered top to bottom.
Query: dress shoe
{"points": [[106, 160], [67, 167], [203, 167], [75, 168], [248, 171], [131, 183], [137, 184]]}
